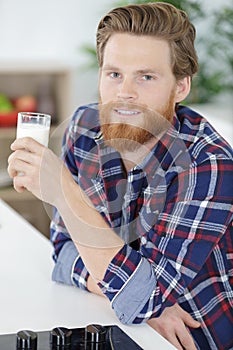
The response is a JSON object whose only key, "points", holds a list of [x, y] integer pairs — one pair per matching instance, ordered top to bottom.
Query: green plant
{"points": [[215, 44], [223, 48], [216, 61]]}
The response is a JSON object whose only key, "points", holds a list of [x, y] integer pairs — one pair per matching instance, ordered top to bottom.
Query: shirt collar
{"points": [[156, 157]]}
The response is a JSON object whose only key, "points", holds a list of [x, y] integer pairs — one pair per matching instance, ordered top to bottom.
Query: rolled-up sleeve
{"points": [[69, 268], [124, 283], [130, 299]]}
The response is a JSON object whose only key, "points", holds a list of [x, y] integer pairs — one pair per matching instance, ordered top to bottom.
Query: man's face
{"points": [[137, 89]]}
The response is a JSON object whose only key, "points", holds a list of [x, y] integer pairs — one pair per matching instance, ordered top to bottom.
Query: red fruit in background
{"points": [[26, 103]]}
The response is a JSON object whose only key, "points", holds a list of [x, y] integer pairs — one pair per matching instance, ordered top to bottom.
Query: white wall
{"points": [[30, 28]]}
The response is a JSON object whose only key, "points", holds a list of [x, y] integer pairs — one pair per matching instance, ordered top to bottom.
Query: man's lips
{"points": [[126, 112]]}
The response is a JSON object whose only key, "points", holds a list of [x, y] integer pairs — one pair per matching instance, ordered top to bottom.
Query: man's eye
{"points": [[114, 75], [147, 77]]}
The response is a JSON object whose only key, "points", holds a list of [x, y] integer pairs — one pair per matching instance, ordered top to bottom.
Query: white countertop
{"points": [[31, 300]]}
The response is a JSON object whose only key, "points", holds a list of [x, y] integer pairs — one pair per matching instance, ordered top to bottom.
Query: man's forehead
{"points": [[117, 39], [136, 50]]}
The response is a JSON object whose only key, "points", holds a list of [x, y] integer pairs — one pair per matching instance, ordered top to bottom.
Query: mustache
{"points": [[123, 105], [108, 108]]}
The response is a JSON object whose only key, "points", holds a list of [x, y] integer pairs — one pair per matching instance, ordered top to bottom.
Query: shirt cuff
{"points": [[69, 268], [125, 286]]}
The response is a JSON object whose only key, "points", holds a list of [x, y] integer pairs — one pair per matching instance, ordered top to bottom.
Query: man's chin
{"points": [[124, 137], [123, 145]]}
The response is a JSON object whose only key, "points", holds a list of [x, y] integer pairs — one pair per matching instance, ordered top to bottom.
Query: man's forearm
{"points": [[96, 242]]}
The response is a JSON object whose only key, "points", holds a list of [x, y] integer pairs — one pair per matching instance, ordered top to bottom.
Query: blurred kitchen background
{"points": [[47, 63]]}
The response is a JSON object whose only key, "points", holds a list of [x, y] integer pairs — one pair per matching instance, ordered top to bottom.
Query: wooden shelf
{"points": [[26, 66], [25, 77]]}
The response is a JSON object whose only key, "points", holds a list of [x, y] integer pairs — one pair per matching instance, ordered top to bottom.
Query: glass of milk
{"points": [[35, 125]]}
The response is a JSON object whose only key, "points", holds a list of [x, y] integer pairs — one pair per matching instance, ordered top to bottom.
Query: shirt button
{"points": [[143, 240], [121, 318]]}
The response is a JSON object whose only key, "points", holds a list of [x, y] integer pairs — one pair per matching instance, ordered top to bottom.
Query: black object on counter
{"points": [[91, 337]]}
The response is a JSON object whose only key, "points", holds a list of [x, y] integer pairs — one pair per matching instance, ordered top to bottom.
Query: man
{"points": [[146, 217]]}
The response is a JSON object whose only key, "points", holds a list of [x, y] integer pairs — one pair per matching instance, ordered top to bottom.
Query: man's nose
{"points": [[127, 90]]}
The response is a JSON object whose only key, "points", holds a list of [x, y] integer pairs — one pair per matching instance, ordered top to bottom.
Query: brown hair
{"points": [[162, 20]]}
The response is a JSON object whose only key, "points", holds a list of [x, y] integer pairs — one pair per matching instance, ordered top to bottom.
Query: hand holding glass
{"points": [[35, 125]]}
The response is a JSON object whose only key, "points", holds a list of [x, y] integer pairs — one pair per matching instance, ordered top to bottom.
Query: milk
{"points": [[40, 133]]}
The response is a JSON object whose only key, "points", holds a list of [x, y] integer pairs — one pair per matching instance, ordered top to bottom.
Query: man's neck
{"points": [[133, 158]]}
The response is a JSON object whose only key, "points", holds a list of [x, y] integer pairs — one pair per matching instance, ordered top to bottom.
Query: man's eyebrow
{"points": [[110, 67], [139, 71], [147, 71]]}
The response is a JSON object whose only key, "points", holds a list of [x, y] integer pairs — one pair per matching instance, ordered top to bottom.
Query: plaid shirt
{"points": [[174, 211]]}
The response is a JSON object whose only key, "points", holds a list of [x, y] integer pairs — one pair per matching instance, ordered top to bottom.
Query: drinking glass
{"points": [[35, 125]]}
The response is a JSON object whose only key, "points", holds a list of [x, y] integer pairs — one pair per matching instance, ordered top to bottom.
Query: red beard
{"points": [[136, 130]]}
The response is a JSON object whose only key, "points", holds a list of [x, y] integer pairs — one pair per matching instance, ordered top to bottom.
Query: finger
{"points": [[27, 143], [24, 156], [22, 161], [18, 166], [11, 171], [18, 186], [189, 320], [165, 332], [186, 340], [174, 341]]}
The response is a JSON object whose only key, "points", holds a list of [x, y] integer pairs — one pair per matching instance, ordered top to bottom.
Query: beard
{"points": [[134, 131]]}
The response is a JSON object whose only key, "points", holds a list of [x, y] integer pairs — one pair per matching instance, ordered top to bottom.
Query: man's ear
{"points": [[182, 89]]}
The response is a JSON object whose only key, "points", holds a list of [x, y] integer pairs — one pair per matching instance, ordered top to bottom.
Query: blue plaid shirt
{"points": [[174, 211]]}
